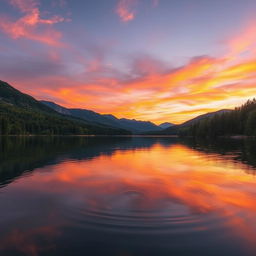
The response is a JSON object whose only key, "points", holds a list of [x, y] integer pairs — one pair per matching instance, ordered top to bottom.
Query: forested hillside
{"points": [[22, 114], [241, 121], [135, 126]]}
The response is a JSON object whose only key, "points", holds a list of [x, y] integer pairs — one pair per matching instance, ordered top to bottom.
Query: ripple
{"points": [[122, 214]]}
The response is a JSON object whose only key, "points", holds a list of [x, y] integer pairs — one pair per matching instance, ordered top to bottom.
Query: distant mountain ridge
{"points": [[12, 96], [22, 114], [204, 116], [238, 122], [132, 125], [166, 125], [174, 129]]}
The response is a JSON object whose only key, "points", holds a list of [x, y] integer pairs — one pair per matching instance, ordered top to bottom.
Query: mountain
{"points": [[12, 96], [22, 114], [87, 115], [204, 116], [240, 121], [132, 125], [166, 125], [139, 126], [174, 129]]}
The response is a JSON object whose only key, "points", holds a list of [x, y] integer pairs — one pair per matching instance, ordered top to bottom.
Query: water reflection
{"points": [[127, 196]]}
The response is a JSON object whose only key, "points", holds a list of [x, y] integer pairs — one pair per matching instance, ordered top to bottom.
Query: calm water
{"points": [[127, 197]]}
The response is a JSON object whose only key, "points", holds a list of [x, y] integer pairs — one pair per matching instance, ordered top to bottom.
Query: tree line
{"points": [[19, 121], [240, 121]]}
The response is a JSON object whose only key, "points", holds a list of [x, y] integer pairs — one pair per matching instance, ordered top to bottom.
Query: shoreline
{"points": [[90, 135]]}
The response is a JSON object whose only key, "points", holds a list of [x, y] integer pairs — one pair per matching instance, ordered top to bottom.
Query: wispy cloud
{"points": [[125, 9], [31, 25], [244, 43], [148, 89]]}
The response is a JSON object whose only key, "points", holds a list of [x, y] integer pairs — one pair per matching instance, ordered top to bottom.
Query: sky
{"points": [[156, 60]]}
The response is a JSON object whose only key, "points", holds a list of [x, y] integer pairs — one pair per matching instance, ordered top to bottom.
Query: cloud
{"points": [[126, 10], [31, 25], [244, 42], [145, 64], [26, 68], [202, 85], [147, 89]]}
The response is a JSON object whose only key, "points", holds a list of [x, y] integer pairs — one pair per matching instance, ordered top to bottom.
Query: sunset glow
{"points": [[131, 58]]}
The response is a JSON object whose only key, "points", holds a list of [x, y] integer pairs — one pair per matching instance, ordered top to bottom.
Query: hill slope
{"points": [[12, 96], [22, 114], [204, 116], [240, 121], [132, 125], [166, 125], [174, 129]]}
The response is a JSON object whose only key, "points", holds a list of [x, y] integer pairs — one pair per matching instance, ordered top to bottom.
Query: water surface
{"points": [[127, 196]]}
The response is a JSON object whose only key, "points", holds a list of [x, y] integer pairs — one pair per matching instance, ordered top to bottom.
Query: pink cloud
{"points": [[125, 10], [31, 25], [149, 89]]}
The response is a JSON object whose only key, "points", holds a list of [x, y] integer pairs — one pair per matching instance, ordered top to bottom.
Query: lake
{"points": [[127, 196]]}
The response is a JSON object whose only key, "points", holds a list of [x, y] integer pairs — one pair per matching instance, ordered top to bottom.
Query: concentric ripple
{"points": [[123, 213]]}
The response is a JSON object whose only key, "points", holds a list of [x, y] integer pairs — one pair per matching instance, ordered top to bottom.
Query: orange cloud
{"points": [[125, 10], [31, 25], [203, 85], [151, 90]]}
